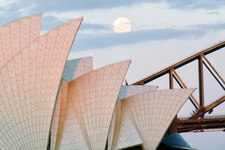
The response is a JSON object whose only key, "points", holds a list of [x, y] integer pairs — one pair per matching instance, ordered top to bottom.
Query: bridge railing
{"points": [[205, 117]]}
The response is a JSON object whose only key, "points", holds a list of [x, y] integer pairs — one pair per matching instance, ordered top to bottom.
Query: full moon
{"points": [[121, 25]]}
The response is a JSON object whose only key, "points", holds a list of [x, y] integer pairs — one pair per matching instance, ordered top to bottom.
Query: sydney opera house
{"points": [[47, 102]]}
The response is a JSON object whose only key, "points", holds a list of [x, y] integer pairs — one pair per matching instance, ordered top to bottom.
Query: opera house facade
{"points": [[47, 102]]}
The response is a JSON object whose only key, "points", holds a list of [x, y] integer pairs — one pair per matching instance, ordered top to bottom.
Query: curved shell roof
{"points": [[29, 83], [94, 96], [153, 112], [122, 130]]}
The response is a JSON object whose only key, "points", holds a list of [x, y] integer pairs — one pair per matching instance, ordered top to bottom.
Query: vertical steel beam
{"points": [[171, 78], [201, 80]]}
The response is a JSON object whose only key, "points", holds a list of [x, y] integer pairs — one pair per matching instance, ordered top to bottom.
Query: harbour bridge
{"points": [[197, 121]]}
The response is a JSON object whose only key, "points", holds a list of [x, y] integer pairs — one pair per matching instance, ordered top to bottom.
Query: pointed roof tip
{"points": [[36, 14], [39, 14], [79, 19], [74, 20], [65, 24], [128, 60], [192, 89]]}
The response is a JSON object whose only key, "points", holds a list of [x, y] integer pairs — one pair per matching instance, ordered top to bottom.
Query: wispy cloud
{"points": [[5, 4], [193, 4], [61, 6], [25, 11], [213, 13], [149, 16], [208, 27], [95, 41]]}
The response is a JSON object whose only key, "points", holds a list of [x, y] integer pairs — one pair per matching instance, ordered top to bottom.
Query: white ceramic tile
{"points": [[22, 90], [95, 103], [152, 122]]}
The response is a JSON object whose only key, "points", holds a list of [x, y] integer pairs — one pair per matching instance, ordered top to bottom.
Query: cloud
{"points": [[5, 4], [193, 4], [62, 6], [15, 9], [25, 11], [213, 13], [145, 16], [150, 21], [49, 23], [95, 26], [208, 27], [95, 29], [98, 41]]}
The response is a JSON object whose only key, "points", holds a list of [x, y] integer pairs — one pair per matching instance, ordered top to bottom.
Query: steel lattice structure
{"points": [[197, 120]]}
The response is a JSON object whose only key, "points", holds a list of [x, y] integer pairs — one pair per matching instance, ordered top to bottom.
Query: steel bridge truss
{"points": [[197, 121]]}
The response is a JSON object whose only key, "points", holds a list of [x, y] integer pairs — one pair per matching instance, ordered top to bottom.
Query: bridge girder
{"points": [[202, 61]]}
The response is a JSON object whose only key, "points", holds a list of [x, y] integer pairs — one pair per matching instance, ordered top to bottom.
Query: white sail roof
{"points": [[29, 82], [94, 96], [153, 112]]}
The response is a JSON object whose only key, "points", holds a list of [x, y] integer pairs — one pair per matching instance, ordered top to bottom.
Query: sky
{"points": [[162, 33]]}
